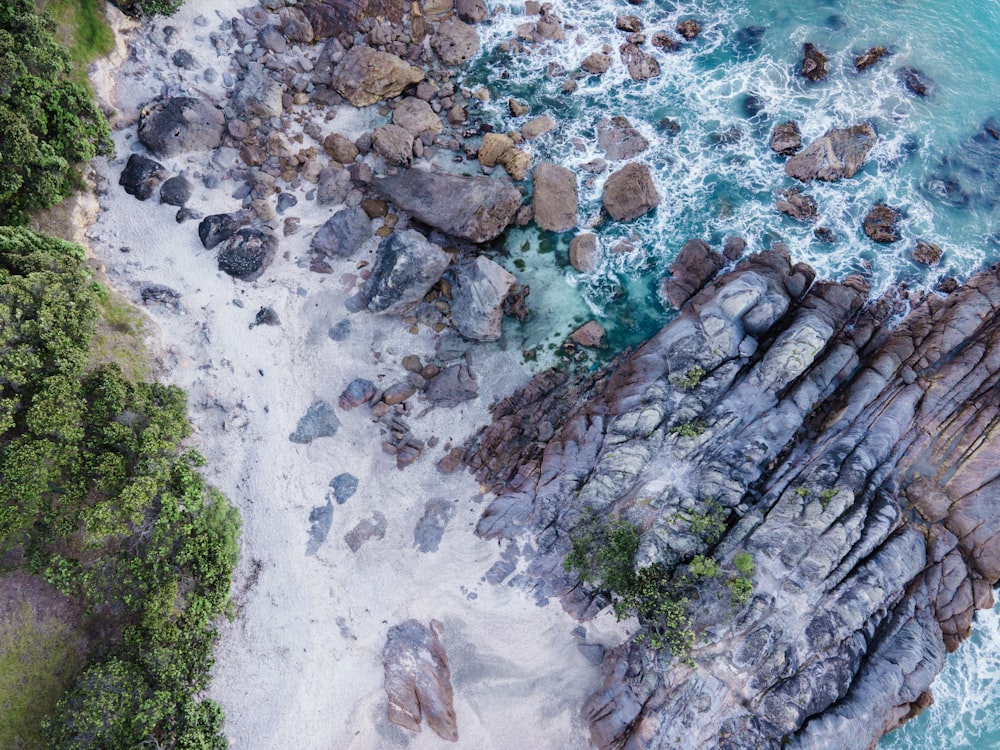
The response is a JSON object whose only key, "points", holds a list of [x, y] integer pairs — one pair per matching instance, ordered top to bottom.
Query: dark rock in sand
{"points": [[183, 59], [866, 59], [813, 63], [914, 81], [176, 125], [619, 139], [787, 140], [836, 155], [141, 176], [176, 191], [630, 193], [555, 198], [797, 205], [486, 207], [881, 223], [217, 228], [343, 233], [247, 253], [927, 253], [695, 265], [406, 266], [478, 292], [160, 294], [266, 316], [452, 386], [359, 391], [320, 420], [344, 486], [321, 520], [430, 528], [366, 530], [418, 680]]}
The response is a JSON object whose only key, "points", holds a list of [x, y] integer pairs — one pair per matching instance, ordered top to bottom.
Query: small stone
{"points": [[517, 108], [412, 363], [358, 391], [398, 393]]}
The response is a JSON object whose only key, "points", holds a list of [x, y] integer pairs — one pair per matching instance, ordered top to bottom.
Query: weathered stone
{"points": [[472, 11], [332, 18], [628, 23], [295, 25], [689, 28], [455, 42], [596, 63], [813, 63], [641, 65], [365, 76], [258, 95], [416, 116], [172, 126], [537, 126], [619, 139], [787, 140], [394, 143], [493, 147], [340, 148], [836, 155], [516, 162], [141, 176], [176, 191], [630, 193], [555, 199], [797, 205], [486, 207], [882, 222], [217, 228], [343, 233], [247, 253], [927, 253], [583, 254], [695, 265], [406, 266], [478, 293], [590, 334], [452, 386], [359, 391], [417, 679]]}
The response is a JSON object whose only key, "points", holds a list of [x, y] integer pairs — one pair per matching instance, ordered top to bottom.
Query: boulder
{"points": [[472, 11], [332, 18], [628, 23], [295, 25], [689, 28], [455, 42], [866, 59], [596, 63], [813, 63], [641, 65], [365, 76], [416, 116], [179, 124], [537, 126], [619, 139], [787, 140], [394, 143], [493, 147], [340, 148], [834, 156], [516, 162], [141, 176], [176, 191], [630, 193], [555, 199], [797, 205], [472, 208], [882, 223], [217, 228], [343, 233], [247, 253], [927, 253], [583, 254], [695, 265], [406, 266], [478, 292], [590, 334], [452, 386], [359, 391], [418, 680]]}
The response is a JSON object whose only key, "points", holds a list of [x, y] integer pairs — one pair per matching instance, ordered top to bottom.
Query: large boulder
{"points": [[455, 42], [365, 75], [258, 95], [179, 124], [836, 155], [141, 176], [629, 193], [555, 200], [472, 208], [343, 233], [247, 253], [406, 266], [478, 293], [418, 680]]}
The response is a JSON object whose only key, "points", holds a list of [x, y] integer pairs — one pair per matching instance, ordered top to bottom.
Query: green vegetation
{"points": [[149, 7], [82, 30], [49, 126], [691, 378], [689, 430], [98, 495], [826, 496], [710, 525]]}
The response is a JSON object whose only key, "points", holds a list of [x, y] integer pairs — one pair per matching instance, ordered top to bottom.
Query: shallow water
{"points": [[740, 75]]}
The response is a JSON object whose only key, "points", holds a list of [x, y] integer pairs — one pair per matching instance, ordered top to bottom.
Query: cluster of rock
{"points": [[814, 68], [855, 463]]}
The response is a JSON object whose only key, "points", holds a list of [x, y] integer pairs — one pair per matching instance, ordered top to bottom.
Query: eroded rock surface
{"points": [[836, 155], [856, 463], [418, 680]]}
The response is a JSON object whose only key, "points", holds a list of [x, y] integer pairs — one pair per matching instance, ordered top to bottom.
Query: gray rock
{"points": [[271, 38], [455, 42], [183, 59], [641, 65], [365, 76], [258, 95], [416, 116], [180, 124], [619, 139], [394, 143], [834, 156], [141, 176], [176, 191], [630, 193], [555, 198], [487, 206], [216, 228], [343, 233], [247, 253], [695, 265], [406, 266], [478, 292], [160, 294], [452, 386], [359, 391], [320, 420], [344, 486], [321, 520], [430, 528], [366, 530], [418, 680]]}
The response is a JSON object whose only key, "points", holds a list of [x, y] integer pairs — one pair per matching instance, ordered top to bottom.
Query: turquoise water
{"points": [[749, 51]]}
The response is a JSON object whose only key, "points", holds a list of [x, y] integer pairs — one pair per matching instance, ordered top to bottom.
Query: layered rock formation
{"points": [[855, 463]]}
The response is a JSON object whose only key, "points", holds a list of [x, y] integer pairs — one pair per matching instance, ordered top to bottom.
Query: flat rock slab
{"points": [[176, 125], [837, 155], [555, 198], [486, 208], [320, 420], [344, 486], [321, 518], [430, 528], [418, 680]]}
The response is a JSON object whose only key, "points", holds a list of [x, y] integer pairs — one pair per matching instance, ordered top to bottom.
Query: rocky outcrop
{"points": [[331, 18], [455, 42], [813, 63], [365, 75], [179, 124], [787, 140], [836, 155], [630, 193], [555, 199], [798, 205], [472, 208], [882, 223], [695, 265], [406, 266], [854, 463], [418, 680]]}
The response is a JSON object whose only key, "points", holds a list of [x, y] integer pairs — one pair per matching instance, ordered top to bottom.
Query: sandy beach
{"points": [[300, 664]]}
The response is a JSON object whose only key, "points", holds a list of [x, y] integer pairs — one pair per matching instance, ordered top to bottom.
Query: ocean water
{"points": [[725, 91]]}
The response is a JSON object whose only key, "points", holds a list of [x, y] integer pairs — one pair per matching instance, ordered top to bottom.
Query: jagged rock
{"points": [[472, 11], [332, 18], [628, 23], [295, 25], [689, 28], [455, 42], [866, 59], [596, 63], [813, 63], [641, 65], [365, 76], [914, 81], [416, 116], [179, 124], [619, 139], [787, 140], [394, 143], [493, 147], [836, 155], [516, 162], [141, 176], [176, 191], [630, 193], [555, 199], [797, 205], [487, 206], [881, 223], [217, 228], [343, 233], [733, 247], [247, 253], [927, 253], [583, 255], [695, 265], [406, 266], [478, 293], [160, 294], [515, 304], [590, 334], [452, 386], [359, 391], [320, 420], [417, 679]]}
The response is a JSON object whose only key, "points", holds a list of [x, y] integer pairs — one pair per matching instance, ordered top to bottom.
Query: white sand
{"points": [[300, 665]]}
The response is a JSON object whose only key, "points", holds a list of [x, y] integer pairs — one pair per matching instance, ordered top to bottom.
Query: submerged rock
{"points": [[868, 58], [813, 63], [787, 140], [837, 155]]}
